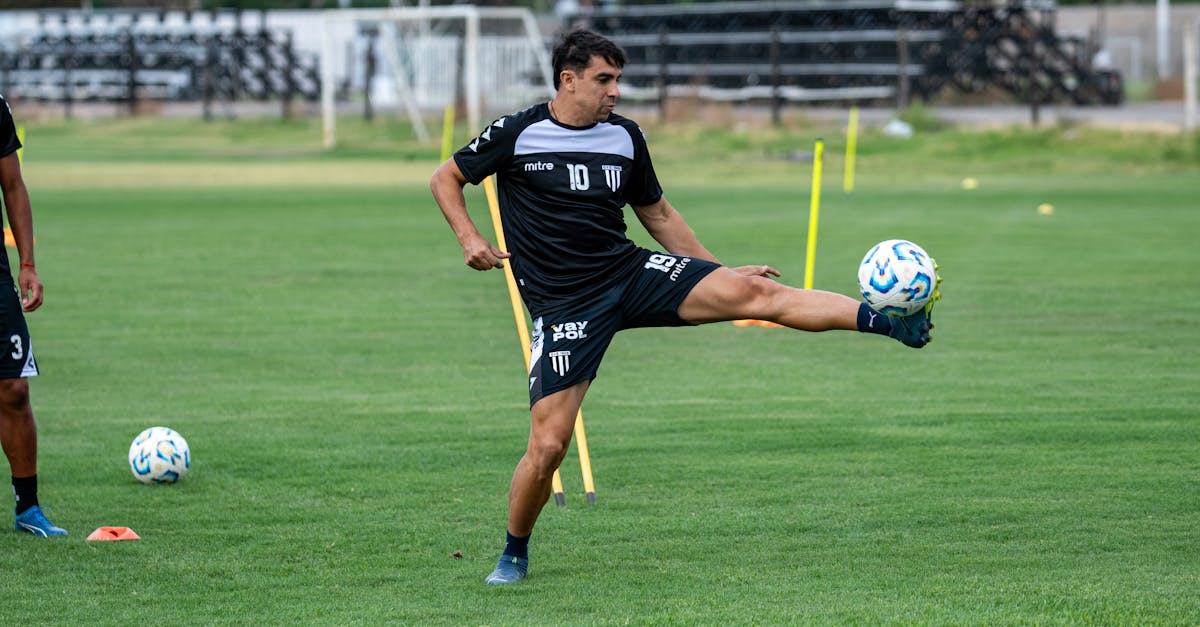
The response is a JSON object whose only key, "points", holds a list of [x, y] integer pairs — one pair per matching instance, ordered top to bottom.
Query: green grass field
{"points": [[355, 403]]}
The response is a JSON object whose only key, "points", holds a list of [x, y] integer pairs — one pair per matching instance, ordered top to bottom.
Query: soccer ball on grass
{"points": [[897, 277], [159, 455]]}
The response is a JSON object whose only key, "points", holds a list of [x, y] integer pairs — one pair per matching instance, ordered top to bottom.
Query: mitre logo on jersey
{"points": [[539, 166], [612, 176], [568, 331], [560, 362]]}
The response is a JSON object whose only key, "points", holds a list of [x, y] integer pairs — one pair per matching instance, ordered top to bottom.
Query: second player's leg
{"points": [[727, 295], [553, 422], [18, 431]]}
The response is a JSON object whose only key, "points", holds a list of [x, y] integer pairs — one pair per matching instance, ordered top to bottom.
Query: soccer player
{"points": [[566, 169], [18, 431]]}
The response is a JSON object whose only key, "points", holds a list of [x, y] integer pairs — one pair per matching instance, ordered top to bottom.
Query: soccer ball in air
{"points": [[897, 277], [159, 455]]}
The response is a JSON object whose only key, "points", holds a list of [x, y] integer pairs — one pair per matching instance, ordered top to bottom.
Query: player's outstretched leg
{"points": [[34, 521], [510, 569]]}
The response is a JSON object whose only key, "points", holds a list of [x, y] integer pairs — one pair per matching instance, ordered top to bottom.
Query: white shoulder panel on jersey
{"points": [[546, 136]]}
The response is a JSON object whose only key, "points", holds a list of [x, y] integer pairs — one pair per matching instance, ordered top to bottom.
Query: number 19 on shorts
{"points": [[660, 262]]}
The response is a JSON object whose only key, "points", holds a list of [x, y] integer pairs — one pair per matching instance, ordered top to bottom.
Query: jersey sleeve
{"points": [[8, 131], [488, 153], [644, 188]]}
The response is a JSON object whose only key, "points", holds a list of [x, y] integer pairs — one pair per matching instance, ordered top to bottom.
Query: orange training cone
{"points": [[756, 323], [113, 533]]}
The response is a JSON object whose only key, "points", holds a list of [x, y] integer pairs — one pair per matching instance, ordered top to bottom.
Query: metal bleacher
{"points": [[1014, 47], [848, 50], [764, 51], [797, 51], [130, 56]]}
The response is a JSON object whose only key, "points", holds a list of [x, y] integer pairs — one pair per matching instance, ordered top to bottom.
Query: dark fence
{"points": [[856, 51], [131, 57]]}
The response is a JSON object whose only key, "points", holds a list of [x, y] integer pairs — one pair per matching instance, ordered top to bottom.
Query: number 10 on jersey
{"points": [[579, 177]]}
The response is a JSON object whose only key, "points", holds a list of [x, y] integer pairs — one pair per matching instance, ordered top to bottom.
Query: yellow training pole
{"points": [[447, 132], [851, 148], [489, 188], [813, 211], [514, 297], [585, 462]]}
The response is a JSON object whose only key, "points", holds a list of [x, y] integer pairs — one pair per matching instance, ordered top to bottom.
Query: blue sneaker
{"points": [[914, 329], [34, 521], [509, 570]]}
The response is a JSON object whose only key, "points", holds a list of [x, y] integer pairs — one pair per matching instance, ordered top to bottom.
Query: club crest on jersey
{"points": [[612, 176], [568, 331], [560, 362]]}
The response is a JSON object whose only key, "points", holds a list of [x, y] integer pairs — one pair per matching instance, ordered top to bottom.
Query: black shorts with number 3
{"points": [[568, 344], [16, 355]]}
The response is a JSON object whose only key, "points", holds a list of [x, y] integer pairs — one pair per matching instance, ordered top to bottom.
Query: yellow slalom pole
{"points": [[447, 132], [851, 148], [489, 188], [813, 212], [514, 297], [585, 462]]}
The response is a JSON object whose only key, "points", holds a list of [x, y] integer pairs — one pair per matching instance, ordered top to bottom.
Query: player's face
{"points": [[597, 91]]}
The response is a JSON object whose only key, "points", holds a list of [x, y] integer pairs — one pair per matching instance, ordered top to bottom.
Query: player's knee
{"points": [[760, 294], [14, 395], [546, 453]]}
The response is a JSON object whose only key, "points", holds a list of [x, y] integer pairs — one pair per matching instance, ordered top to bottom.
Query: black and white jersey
{"points": [[8, 131], [8, 145], [562, 192]]}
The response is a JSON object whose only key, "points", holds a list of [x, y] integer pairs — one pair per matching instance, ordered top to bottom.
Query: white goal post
{"points": [[408, 43]]}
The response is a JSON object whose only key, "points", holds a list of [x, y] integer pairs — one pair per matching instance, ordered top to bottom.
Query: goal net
{"points": [[428, 58]]}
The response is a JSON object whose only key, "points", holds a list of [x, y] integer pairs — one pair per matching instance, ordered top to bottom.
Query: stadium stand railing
{"points": [[852, 50], [130, 56]]}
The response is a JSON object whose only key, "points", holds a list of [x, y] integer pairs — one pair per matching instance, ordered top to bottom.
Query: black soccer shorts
{"points": [[568, 344], [16, 355]]}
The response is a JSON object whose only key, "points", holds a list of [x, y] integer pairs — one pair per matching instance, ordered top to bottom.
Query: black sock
{"points": [[871, 321], [25, 489], [516, 546]]}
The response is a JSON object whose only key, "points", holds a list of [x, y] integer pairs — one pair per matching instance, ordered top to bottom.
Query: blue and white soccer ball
{"points": [[897, 277], [159, 455]]}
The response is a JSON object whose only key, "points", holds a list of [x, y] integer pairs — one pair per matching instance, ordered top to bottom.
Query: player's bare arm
{"points": [[447, 186], [20, 220], [668, 228]]}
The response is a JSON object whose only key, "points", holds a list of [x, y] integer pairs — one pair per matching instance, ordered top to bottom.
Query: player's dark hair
{"points": [[577, 49]]}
